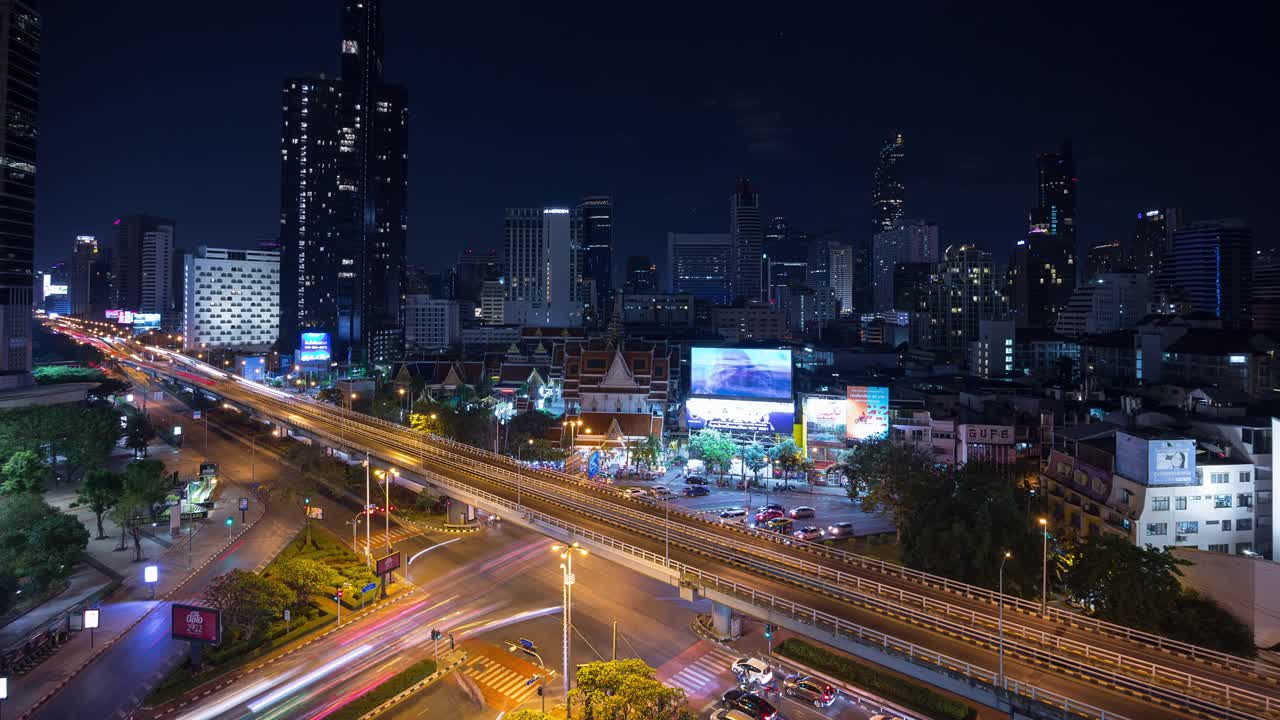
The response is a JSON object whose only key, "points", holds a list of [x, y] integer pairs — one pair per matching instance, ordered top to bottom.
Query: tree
{"points": [[58, 374], [330, 395], [138, 432], [90, 435], [716, 449], [788, 456], [755, 459], [24, 472], [887, 476], [143, 488], [101, 491], [974, 507], [37, 542], [306, 577], [1121, 582], [247, 601], [1201, 621], [626, 690], [529, 715]]}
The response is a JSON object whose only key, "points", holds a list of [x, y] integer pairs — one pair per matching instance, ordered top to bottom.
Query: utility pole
{"points": [[614, 654]]}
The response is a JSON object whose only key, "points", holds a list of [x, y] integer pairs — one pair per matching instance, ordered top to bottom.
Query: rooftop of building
{"points": [[1034, 335], [1117, 339], [1205, 341], [1087, 431], [1155, 433]]}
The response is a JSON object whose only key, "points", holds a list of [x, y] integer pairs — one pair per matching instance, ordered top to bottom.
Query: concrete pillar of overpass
{"points": [[723, 621]]}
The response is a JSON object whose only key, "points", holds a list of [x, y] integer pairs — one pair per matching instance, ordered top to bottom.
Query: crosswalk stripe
{"points": [[491, 672], [695, 675], [514, 685]]}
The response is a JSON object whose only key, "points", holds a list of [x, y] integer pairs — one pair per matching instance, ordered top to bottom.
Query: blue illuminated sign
{"points": [[314, 347]]}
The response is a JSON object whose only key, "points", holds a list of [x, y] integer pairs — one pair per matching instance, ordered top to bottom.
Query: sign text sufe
{"points": [[994, 434]]}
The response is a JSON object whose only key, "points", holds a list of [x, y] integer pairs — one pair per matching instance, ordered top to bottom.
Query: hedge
{"points": [[395, 685], [892, 687]]}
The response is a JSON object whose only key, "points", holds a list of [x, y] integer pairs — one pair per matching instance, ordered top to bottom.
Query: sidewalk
{"points": [[132, 602]]}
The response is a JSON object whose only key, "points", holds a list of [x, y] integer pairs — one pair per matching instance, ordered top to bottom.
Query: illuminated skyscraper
{"points": [[19, 115], [344, 181], [888, 190], [1153, 239], [597, 257], [1212, 263]]}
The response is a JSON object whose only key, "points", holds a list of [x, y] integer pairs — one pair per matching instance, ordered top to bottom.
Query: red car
{"points": [[766, 515]]}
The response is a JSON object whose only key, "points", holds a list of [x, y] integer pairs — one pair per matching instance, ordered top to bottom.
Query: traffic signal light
{"points": [[230, 521], [338, 596], [768, 630], [436, 634]]}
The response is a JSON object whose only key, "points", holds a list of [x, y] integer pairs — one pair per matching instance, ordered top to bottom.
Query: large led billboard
{"points": [[314, 347], [744, 373], [868, 414], [740, 415], [824, 419], [1156, 462]]}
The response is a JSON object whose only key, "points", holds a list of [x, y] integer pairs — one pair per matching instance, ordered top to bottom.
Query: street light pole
{"points": [[519, 453], [386, 508], [666, 526], [368, 545], [1044, 567], [566, 568], [1000, 629]]}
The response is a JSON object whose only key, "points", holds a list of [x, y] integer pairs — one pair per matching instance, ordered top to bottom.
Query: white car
{"points": [[659, 491], [635, 492], [732, 513], [808, 533], [752, 670]]}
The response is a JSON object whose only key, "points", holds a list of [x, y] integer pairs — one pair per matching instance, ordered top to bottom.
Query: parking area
{"points": [[831, 505]]}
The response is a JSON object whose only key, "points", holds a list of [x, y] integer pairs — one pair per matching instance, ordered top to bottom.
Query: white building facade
{"points": [[544, 278], [232, 299], [429, 323]]}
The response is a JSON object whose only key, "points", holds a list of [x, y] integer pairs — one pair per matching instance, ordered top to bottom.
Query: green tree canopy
{"points": [[58, 374], [138, 432], [715, 448], [787, 456], [755, 459], [24, 472], [143, 490], [101, 491], [37, 541], [306, 577], [1122, 582], [247, 601], [626, 690]]}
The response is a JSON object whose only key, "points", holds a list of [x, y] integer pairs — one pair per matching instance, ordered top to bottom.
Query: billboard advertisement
{"points": [[146, 321], [314, 347], [744, 373], [868, 413], [741, 415], [824, 419], [1171, 462], [388, 563], [198, 624]]}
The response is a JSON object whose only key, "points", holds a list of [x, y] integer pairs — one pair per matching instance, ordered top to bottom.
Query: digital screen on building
{"points": [[146, 321], [314, 347], [253, 368], [744, 373], [868, 413], [741, 415], [824, 419], [1156, 462]]}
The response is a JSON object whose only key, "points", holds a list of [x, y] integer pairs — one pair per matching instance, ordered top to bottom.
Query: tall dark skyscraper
{"points": [[19, 113], [344, 182], [888, 189], [1055, 210], [1153, 239], [748, 241], [597, 258], [1212, 262], [142, 265], [642, 275], [88, 282]]}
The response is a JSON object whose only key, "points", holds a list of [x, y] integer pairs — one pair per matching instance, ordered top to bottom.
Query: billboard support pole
{"points": [[196, 648]]}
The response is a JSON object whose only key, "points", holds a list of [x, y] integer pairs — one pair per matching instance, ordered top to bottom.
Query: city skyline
{"points": [[665, 155]]}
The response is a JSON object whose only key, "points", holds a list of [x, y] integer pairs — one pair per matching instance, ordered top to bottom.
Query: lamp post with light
{"points": [[519, 462], [1044, 566], [566, 568], [1000, 628]]}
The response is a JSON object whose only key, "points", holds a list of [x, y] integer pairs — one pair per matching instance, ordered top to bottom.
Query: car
{"points": [[695, 480], [659, 491], [696, 491], [635, 492], [772, 506], [803, 511], [733, 513], [765, 516], [780, 524], [840, 530], [808, 533], [752, 670], [803, 687], [748, 703], [730, 714], [885, 717]]}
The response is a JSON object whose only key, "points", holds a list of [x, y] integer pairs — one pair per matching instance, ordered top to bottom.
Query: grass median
{"points": [[394, 685], [886, 685]]}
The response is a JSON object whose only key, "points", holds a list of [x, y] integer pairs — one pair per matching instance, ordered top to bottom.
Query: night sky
{"points": [[173, 108]]}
